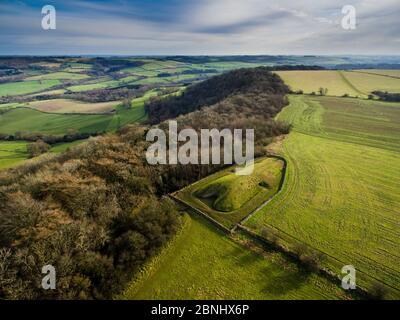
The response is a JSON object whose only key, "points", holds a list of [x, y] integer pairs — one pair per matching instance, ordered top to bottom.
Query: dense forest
{"points": [[98, 211]]}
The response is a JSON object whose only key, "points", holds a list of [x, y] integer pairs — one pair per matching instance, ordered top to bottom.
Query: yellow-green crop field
{"points": [[339, 83]]}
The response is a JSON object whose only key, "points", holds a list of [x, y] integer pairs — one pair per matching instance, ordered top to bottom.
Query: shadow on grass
{"points": [[280, 281]]}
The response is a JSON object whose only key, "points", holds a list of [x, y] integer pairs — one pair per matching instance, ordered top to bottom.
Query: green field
{"points": [[59, 76], [339, 83], [94, 86], [26, 87], [29, 120], [62, 147], [15, 152], [12, 153], [341, 192], [228, 198], [203, 263]]}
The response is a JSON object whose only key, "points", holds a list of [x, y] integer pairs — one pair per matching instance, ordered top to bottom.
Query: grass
{"points": [[382, 72], [59, 76], [311, 81], [339, 83], [368, 83], [94, 86], [26, 87], [73, 106], [29, 120], [62, 147], [12, 153], [341, 194], [228, 198], [203, 263]]}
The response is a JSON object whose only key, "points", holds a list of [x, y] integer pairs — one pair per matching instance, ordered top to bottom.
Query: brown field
{"points": [[73, 106]]}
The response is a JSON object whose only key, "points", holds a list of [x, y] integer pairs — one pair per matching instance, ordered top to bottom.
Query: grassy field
{"points": [[384, 72], [59, 76], [339, 83], [368, 83], [94, 86], [26, 87], [73, 106], [29, 120], [15, 152], [12, 153], [341, 193], [228, 198], [203, 263]]}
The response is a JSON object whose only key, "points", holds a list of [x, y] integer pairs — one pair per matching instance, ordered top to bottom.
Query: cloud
{"points": [[200, 27]]}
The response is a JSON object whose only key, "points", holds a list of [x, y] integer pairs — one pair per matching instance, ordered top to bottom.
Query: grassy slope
{"points": [[25, 87], [12, 153], [239, 194], [339, 197], [203, 263]]}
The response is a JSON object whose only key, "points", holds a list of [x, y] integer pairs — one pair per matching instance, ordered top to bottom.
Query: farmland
{"points": [[59, 76], [339, 83], [25, 87], [71, 106], [29, 120], [341, 193], [202, 262]]}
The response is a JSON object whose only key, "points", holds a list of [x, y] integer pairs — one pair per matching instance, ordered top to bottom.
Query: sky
{"points": [[200, 27]]}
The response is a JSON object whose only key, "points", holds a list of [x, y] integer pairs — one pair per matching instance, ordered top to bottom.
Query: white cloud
{"points": [[206, 27]]}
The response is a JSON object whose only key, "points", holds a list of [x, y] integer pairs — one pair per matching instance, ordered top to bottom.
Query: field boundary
{"points": [[347, 81], [280, 187]]}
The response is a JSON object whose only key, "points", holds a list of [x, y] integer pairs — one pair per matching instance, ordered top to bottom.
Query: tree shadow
{"points": [[281, 281]]}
